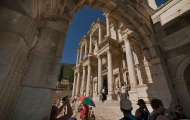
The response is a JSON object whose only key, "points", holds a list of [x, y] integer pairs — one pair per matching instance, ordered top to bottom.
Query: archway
{"points": [[36, 31], [181, 84]]}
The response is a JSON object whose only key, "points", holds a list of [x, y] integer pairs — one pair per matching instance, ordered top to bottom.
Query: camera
{"points": [[64, 98]]}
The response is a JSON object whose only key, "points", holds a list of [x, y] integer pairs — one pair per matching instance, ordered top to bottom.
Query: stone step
{"points": [[110, 110]]}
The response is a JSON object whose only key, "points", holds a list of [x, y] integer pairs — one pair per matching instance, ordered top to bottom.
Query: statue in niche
{"points": [[116, 83], [95, 86]]}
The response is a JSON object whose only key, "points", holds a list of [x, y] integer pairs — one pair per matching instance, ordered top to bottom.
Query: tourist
{"points": [[123, 91], [118, 93], [103, 94], [126, 108], [158, 109], [56, 111], [84, 112], [142, 112], [179, 113]]}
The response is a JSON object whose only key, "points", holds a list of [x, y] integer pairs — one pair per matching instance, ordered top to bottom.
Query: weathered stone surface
{"points": [[9, 46], [33, 104]]}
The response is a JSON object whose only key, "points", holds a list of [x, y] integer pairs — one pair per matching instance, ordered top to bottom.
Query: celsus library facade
{"points": [[146, 46]]}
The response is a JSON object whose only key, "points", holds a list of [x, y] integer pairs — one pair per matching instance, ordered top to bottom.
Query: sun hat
{"points": [[141, 101], [125, 104]]}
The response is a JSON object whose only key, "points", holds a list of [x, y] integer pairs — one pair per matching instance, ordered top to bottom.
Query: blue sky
{"points": [[79, 27]]}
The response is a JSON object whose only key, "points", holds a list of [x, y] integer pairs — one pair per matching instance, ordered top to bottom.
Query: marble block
{"points": [[33, 104]]}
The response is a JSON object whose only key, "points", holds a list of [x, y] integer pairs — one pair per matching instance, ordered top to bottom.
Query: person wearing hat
{"points": [[126, 108], [142, 112]]}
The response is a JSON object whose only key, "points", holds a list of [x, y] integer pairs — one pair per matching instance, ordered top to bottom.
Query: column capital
{"points": [[109, 52], [99, 56], [84, 67]]}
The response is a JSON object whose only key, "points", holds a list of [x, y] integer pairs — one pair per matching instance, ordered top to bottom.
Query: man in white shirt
{"points": [[103, 94]]}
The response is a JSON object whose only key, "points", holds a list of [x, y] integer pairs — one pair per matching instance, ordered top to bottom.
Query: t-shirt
{"points": [[123, 89], [103, 91], [85, 112]]}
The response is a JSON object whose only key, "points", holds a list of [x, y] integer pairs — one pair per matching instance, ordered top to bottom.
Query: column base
{"points": [[133, 95], [112, 96], [97, 97]]}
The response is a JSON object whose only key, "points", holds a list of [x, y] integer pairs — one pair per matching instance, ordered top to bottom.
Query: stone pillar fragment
{"points": [[107, 24], [100, 34], [90, 48], [85, 50], [80, 54], [77, 57], [131, 68], [110, 73], [99, 75], [83, 80], [88, 81], [78, 82], [74, 85]]}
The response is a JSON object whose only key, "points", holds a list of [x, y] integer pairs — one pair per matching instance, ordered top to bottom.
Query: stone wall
{"points": [[172, 26]]}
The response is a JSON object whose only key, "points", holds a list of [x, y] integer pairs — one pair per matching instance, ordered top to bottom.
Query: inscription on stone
{"points": [[176, 39]]}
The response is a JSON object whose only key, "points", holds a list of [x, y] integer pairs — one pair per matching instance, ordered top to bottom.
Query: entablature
{"points": [[84, 40], [108, 44], [92, 60]]}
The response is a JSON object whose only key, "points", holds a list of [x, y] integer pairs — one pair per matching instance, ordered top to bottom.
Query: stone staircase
{"points": [[109, 110]]}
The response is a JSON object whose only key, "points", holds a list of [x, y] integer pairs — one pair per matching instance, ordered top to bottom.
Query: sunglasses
{"points": [[180, 109]]}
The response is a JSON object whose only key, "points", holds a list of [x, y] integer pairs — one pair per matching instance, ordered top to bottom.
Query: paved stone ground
{"points": [[109, 110]]}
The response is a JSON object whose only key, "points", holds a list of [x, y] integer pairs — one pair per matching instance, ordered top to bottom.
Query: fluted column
{"points": [[107, 24], [100, 34], [90, 48], [85, 50], [80, 54], [77, 57], [131, 68], [110, 73], [99, 75], [83, 80], [78, 81], [88, 81], [74, 85]]}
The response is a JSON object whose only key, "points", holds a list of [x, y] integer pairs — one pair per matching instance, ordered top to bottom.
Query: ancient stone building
{"points": [[149, 46]]}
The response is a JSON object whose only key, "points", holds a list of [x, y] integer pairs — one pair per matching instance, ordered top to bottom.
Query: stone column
{"points": [[107, 24], [100, 34], [90, 48], [85, 49], [80, 54], [77, 57], [131, 68], [110, 73], [99, 75], [139, 76], [83, 80], [78, 81], [88, 81], [74, 85]]}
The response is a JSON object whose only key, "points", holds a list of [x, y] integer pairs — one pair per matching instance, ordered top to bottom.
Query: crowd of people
{"points": [[142, 113]]}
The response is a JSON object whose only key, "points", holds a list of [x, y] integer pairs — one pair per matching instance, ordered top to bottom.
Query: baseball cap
{"points": [[125, 104]]}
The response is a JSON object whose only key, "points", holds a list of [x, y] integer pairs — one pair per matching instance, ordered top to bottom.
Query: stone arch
{"points": [[54, 17], [181, 68], [182, 85]]}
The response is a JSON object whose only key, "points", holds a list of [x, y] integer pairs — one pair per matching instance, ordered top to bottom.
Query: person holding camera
{"points": [[56, 111], [142, 112]]}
